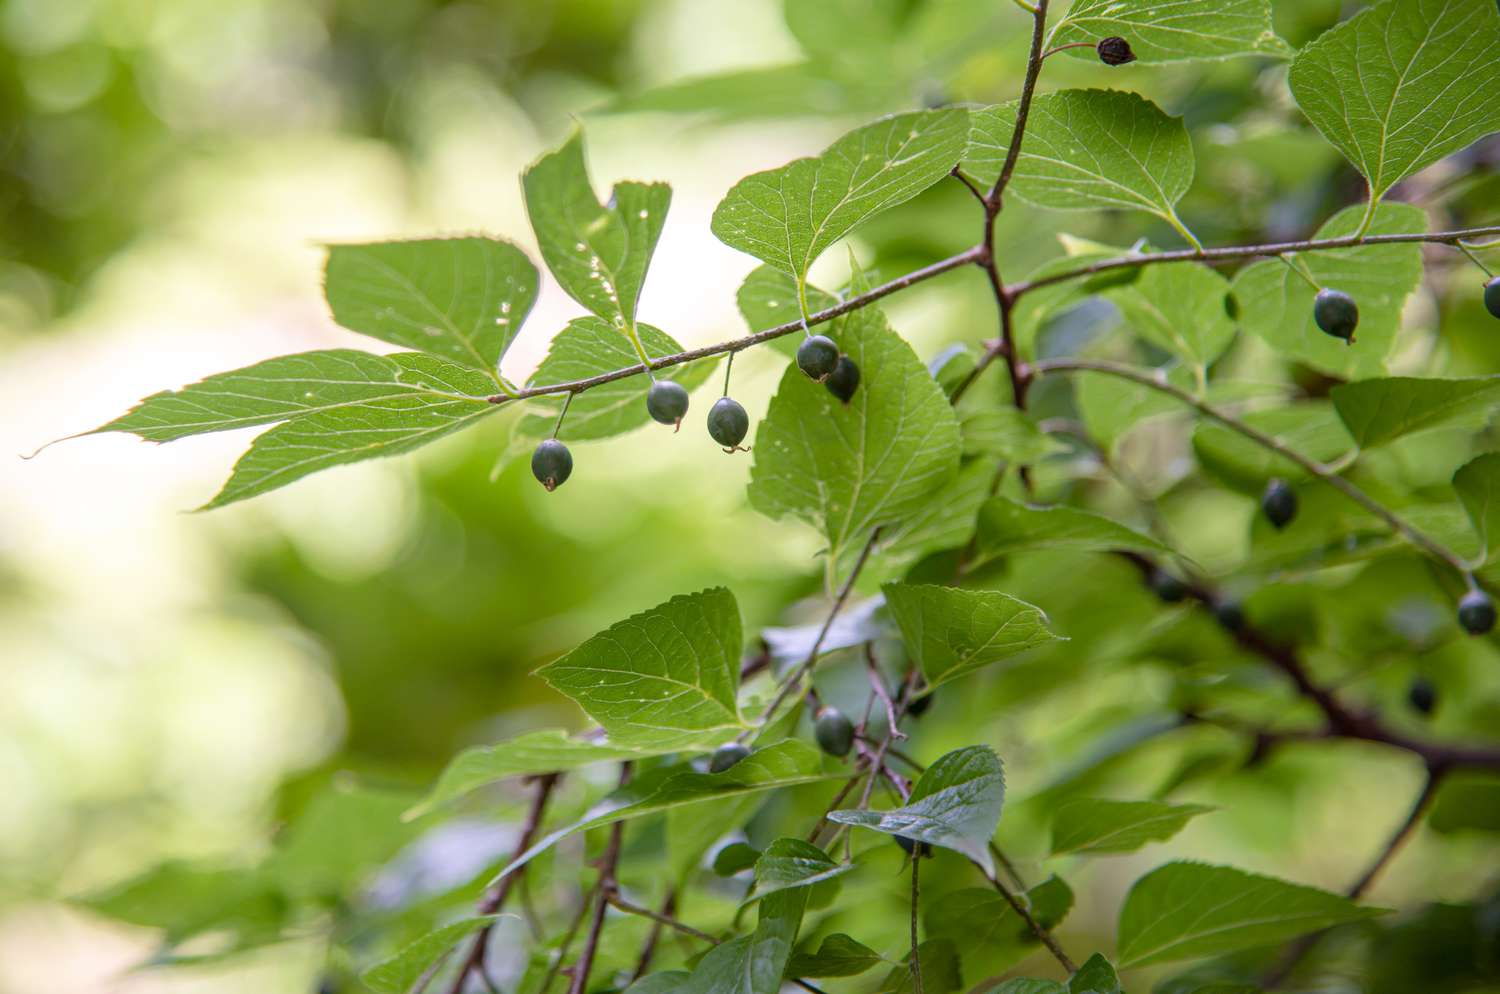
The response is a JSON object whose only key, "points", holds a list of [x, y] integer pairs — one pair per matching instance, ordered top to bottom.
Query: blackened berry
{"points": [[1114, 51], [1492, 296], [1336, 313], [818, 357], [844, 379], [667, 402], [728, 423], [552, 464], [1279, 503], [1166, 586], [1476, 612], [1229, 614], [1422, 696], [919, 705], [834, 732], [726, 756], [912, 846]]}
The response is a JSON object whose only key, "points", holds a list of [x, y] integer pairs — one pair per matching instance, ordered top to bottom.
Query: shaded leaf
{"points": [[1174, 32], [1178, 307], [1383, 410], [1312, 429], [1006, 433], [1477, 483], [945, 521], [1006, 527], [951, 633], [954, 804], [1091, 825], [344, 835], [735, 858], [789, 863], [1188, 910], [981, 919], [838, 956], [754, 964], [941, 970], [400, 973], [1095, 976]]}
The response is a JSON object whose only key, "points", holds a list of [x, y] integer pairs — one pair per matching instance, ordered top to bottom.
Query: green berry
{"points": [[1492, 296], [1336, 314], [818, 357], [844, 379], [667, 402], [728, 423], [552, 464], [1279, 503], [1166, 586], [1476, 612], [1422, 696], [834, 732], [726, 756], [912, 846]]}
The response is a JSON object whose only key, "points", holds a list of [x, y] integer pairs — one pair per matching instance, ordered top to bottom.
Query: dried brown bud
{"points": [[1114, 51]]}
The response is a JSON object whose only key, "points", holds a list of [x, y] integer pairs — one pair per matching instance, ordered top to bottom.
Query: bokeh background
{"points": [[172, 685]]}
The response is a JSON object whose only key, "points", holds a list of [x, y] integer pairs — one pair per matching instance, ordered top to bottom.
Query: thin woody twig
{"points": [[603, 889]]}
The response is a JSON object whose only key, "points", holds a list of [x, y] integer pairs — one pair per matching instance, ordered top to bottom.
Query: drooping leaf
{"points": [[1174, 32], [1403, 84], [1087, 150], [788, 216], [599, 253], [460, 298], [768, 299], [1277, 303], [1179, 307], [590, 346], [293, 386], [1383, 410], [1312, 429], [1006, 433], [342, 435], [846, 469], [1477, 484], [1006, 526], [856, 624], [951, 632], [666, 677], [547, 751], [786, 764], [954, 804], [1091, 825], [690, 835], [735, 858], [788, 863], [185, 900], [1188, 910], [980, 918], [838, 956], [756, 963], [401, 972], [1095, 976]]}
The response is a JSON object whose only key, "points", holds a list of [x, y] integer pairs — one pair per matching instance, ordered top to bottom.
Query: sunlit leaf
{"points": [[1174, 32], [1091, 825], [789, 863], [838, 956]]}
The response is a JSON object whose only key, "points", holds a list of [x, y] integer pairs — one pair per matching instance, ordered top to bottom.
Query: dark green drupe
{"points": [[1492, 296], [1336, 314], [818, 357], [844, 379], [667, 402], [728, 423], [552, 464], [1279, 503], [1166, 586], [1476, 612], [1229, 614], [1422, 696], [919, 705], [834, 732], [726, 756], [912, 846]]}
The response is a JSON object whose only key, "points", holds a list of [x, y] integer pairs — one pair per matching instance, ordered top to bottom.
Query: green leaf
{"points": [[1174, 32], [1403, 84], [1087, 150], [790, 215], [598, 253], [460, 298], [768, 299], [1277, 303], [1179, 307], [587, 347], [293, 386], [1112, 405], [1383, 410], [1312, 429], [1006, 433], [341, 435], [846, 469], [1477, 483], [945, 521], [1006, 527], [951, 633], [666, 677], [547, 751], [786, 764], [1467, 801], [954, 804], [1090, 825], [344, 834], [689, 835], [735, 858], [789, 863], [185, 900], [1190, 910], [981, 919], [838, 956], [754, 964], [401, 972], [942, 972], [1096, 976], [666, 982], [1028, 985]]}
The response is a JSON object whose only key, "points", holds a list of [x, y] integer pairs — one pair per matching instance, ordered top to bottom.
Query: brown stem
{"points": [[1028, 90], [877, 684], [602, 892], [495, 899], [659, 917], [1042, 934], [648, 950], [916, 956]]}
